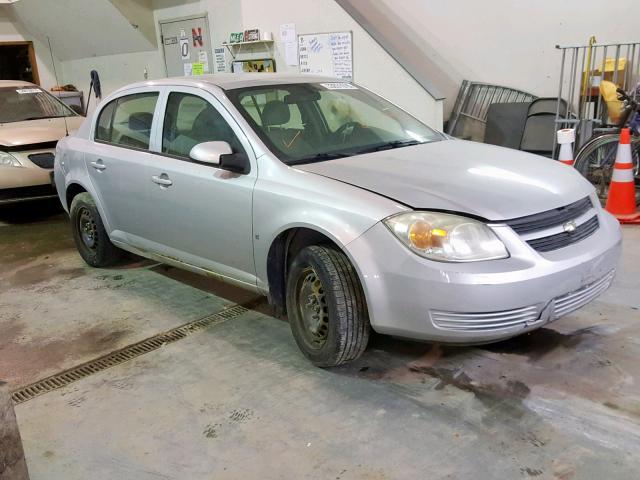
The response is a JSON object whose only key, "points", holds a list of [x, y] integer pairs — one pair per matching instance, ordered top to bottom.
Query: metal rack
{"points": [[582, 67], [469, 115]]}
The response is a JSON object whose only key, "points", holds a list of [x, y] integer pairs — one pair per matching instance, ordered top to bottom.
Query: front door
{"points": [[187, 46], [202, 215]]}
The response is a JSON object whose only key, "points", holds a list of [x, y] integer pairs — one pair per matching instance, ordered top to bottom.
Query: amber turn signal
{"points": [[423, 236]]}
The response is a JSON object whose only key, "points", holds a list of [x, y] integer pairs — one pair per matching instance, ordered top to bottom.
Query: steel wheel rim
{"points": [[87, 229], [313, 316]]}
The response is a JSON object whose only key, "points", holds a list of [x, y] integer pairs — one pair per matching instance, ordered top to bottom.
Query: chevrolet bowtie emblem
{"points": [[570, 226]]}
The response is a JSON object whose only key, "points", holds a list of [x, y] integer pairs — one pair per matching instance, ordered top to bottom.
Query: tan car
{"points": [[31, 123]]}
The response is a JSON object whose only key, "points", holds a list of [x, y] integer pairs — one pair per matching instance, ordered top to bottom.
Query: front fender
{"points": [[286, 198]]}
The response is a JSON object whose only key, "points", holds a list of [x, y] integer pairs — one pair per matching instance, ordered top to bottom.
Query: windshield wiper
{"points": [[41, 118], [389, 146], [319, 157]]}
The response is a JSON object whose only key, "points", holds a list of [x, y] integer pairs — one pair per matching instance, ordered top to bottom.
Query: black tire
{"points": [[89, 234], [329, 282]]}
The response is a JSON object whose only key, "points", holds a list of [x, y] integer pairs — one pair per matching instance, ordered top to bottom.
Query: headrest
{"points": [[275, 112], [140, 121]]}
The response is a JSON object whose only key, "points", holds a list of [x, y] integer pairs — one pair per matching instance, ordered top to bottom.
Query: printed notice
{"points": [[288, 32], [291, 53], [221, 59], [197, 69]]}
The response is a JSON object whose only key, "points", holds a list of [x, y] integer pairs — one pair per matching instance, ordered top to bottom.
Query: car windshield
{"points": [[21, 103], [310, 122]]}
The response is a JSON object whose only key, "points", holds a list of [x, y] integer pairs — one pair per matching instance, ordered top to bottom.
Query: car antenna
{"points": [[55, 75]]}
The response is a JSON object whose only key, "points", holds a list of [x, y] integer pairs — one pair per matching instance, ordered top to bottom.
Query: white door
{"points": [[187, 46]]}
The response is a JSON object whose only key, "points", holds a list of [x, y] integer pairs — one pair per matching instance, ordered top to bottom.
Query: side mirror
{"points": [[210, 152], [221, 155]]}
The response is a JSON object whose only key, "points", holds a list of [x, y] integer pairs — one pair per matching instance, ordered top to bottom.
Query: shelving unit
{"points": [[237, 51]]}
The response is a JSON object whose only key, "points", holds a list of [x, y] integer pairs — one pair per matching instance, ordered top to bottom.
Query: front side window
{"points": [[21, 103], [127, 120], [190, 120], [308, 122]]}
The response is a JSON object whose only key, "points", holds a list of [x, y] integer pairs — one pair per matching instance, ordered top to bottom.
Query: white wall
{"points": [[10, 32], [511, 42], [373, 68]]}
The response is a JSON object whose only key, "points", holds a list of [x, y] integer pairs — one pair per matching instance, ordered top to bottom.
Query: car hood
{"points": [[32, 132], [491, 182]]}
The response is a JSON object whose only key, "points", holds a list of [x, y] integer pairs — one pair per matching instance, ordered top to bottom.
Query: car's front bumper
{"points": [[30, 182], [481, 302]]}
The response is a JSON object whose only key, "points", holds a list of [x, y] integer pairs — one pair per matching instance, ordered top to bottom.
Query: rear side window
{"points": [[127, 120]]}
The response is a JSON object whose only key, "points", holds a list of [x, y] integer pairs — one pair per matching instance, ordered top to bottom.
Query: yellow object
{"points": [[592, 42], [197, 69], [609, 93], [420, 235]]}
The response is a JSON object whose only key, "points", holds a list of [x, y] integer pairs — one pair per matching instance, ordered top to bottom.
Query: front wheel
{"points": [[596, 158], [326, 307]]}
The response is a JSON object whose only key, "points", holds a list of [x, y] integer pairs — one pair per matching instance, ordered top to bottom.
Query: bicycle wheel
{"points": [[596, 159]]}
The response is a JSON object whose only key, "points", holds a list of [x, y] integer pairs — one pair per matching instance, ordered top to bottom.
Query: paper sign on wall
{"points": [[288, 32], [291, 53], [203, 58], [221, 59], [187, 69], [197, 69]]}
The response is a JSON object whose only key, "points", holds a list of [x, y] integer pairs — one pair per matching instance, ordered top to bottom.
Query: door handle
{"points": [[98, 165], [162, 180]]}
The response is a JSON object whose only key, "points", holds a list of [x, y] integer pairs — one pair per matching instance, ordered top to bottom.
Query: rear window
{"points": [[127, 120]]}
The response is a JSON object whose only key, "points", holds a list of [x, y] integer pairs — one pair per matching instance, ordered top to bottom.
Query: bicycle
{"points": [[596, 158]]}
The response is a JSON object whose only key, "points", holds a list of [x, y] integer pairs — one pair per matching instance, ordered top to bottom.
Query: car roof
{"points": [[228, 81], [16, 83]]}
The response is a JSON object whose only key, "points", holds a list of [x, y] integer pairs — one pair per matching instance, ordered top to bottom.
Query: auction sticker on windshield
{"points": [[339, 86], [28, 90]]}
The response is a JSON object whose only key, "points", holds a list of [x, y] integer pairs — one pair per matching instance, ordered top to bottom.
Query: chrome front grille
{"points": [[559, 227], [572, 301], [485, 321]]}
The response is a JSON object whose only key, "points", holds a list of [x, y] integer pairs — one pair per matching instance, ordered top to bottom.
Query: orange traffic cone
{"points": [[566, 137], [621, 201]]}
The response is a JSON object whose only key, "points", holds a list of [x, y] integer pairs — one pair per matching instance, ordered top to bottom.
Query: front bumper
{"points": [[30, 182], [481, 302]]}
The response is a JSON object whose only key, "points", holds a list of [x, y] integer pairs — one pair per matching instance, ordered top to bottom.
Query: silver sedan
{"points": [[347, 212]]}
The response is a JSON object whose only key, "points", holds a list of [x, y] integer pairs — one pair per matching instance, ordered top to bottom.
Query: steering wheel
{"points": [[347, 129]]}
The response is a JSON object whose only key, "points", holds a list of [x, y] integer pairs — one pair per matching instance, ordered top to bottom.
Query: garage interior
{"points": [[145, 371]]}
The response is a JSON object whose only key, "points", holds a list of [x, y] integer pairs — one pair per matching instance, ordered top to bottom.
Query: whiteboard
{"points": [[329, 54]]}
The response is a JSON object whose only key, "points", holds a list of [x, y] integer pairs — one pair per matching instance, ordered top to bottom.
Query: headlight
{"points": [[8, 160], [446, 238]]}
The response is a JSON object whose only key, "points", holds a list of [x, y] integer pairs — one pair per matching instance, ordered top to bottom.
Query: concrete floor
{"points": [[238, 400]]}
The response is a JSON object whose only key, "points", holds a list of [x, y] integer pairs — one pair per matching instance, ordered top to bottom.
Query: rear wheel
{"points": [[596, 159], [89, 233], [326, 307]]}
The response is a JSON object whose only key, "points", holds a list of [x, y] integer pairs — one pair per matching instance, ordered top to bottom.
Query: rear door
{"points": [[119, 161], [203, 214]]}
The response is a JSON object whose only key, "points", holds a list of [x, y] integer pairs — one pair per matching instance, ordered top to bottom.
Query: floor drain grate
{"points": [[125, 354]]}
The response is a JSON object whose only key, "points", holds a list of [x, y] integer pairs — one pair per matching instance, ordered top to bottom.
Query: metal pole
{"points": [[553, 149], [12, 463]]}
